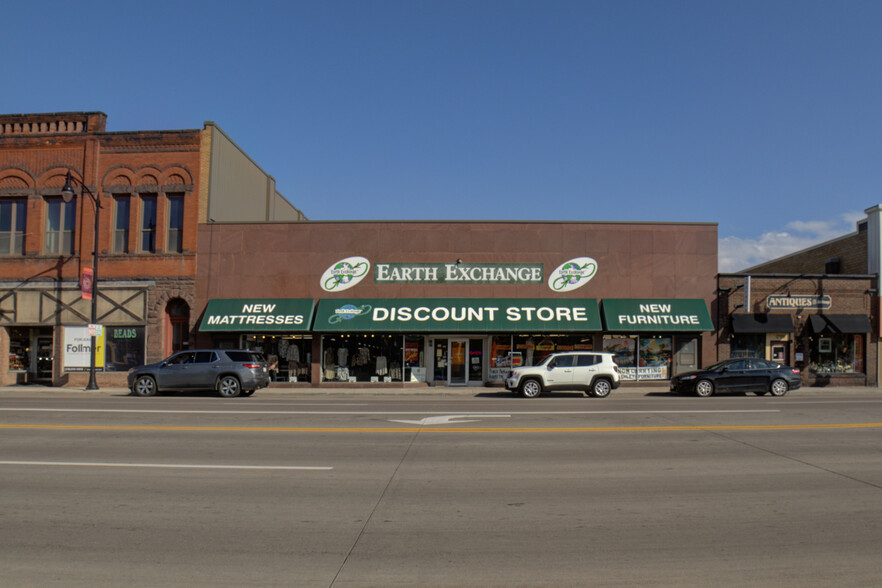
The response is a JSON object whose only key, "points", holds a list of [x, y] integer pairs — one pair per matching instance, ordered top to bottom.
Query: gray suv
{"points": [[229, 372], [593, 372]]}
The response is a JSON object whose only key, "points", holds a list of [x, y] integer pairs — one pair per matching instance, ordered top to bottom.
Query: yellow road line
{"points": [[438, 429]]}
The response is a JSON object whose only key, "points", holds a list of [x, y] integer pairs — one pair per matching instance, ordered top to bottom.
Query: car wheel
{"points": [[145, 386], [229, 387], [779, 387], [531, 388], [601, 388], [704, 388]]}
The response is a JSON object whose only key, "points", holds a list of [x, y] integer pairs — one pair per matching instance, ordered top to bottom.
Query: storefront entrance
{"points": [[30, 353], [459, 361]]}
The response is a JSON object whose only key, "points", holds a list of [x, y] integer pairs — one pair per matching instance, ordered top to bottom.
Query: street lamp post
{"points": [[67, 193]]}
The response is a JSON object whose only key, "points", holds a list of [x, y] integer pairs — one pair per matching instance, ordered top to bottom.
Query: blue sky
{"points": [[764, 117]]}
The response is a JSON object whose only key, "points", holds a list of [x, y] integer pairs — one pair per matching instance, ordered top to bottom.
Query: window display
{"points": [[748, 345], [19, 348], [124, 348], [535, 348], [840, 353], [287, 356], [500, 357], [371, 358], [641, 358], [655, 358], [414, 360]]}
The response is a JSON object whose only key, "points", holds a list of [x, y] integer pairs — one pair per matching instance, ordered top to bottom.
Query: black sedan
{"points": [[739, 375]]}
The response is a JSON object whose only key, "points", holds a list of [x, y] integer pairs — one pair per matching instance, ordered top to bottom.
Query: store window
{"points": [[122, 206], [61, 220], [148, 223], [12, 226], [175, 241], [748, 345], [124, 348], [19, 349], [532, 349], [30, 351], [840, 353], [288, 357], [500, 357], [641, 357], [363, 358], [655, 358], [414, 359]]}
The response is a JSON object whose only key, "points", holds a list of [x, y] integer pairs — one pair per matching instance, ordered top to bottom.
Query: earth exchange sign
{"points": [[568, 276]]}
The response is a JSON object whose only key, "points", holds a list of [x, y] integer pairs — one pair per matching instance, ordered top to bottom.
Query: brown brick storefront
{"points": [[821, 323]]}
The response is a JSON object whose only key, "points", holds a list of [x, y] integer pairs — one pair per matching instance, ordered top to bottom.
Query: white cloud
{"points": [[736, 254]]}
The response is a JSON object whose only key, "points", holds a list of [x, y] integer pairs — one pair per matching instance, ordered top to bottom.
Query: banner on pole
{"points": [[86, 283]]}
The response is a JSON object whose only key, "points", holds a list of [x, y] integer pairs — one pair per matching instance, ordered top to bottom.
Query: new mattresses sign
{"points": [[347, 273], [258, 314]]}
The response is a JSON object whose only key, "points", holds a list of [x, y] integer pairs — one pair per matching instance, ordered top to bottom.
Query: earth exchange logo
{"points": [[345, 274], [572, 274]]}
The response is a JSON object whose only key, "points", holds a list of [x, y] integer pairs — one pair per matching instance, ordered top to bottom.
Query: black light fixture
{"points": [[67, 194]]}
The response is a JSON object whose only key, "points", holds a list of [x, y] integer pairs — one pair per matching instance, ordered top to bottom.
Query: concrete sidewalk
{"points": [[631, 390]]}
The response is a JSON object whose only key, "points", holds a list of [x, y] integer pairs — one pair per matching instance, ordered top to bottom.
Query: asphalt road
{"points": [[357, 489]]}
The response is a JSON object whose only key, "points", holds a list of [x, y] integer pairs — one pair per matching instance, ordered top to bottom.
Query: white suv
{"points": [[593, 372]]}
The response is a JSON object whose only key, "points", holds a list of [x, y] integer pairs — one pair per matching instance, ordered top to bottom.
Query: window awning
{"points": [[656, 314], [282, 315], [452, 315], [762, 323], [840, 323]]}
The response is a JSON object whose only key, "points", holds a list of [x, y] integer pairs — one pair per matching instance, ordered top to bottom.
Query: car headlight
{"points": [[692, 377]]}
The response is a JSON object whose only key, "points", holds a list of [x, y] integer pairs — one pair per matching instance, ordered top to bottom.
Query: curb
{"points": [[438, 391]]}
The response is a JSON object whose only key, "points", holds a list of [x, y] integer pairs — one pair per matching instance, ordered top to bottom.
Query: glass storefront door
{"points": [[458, 375]]}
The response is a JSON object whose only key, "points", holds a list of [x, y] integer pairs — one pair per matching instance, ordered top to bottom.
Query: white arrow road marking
{"points": [[449, 419]]}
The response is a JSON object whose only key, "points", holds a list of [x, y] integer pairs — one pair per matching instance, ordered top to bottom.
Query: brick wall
{"points": [[36, 152], [850, 249], [849, 294]]}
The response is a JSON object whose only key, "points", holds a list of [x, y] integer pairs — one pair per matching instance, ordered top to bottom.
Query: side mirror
{"points": [[551, 365]]}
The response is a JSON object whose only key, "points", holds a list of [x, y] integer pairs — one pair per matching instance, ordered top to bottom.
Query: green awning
{"points": [[656, 314], [248, 315], [477, 315]]}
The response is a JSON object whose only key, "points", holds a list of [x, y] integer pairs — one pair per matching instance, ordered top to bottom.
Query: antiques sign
{"points": [[823, 302]]}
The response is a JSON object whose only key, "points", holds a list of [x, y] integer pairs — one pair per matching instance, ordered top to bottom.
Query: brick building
{"points": [[152, 188], [416, 303], [816, 309]]}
